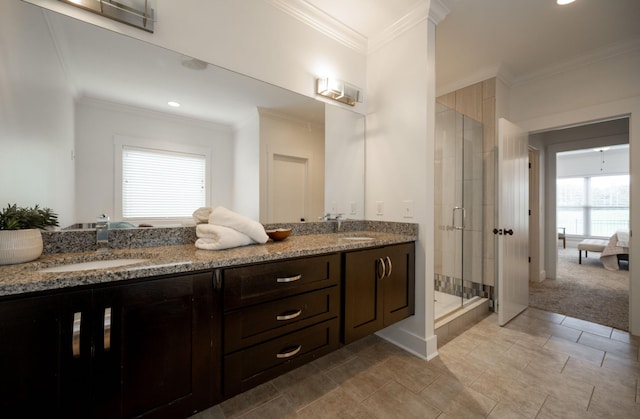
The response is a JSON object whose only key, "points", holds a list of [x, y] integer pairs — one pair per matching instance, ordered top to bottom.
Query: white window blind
{"points": [[161, 184]]}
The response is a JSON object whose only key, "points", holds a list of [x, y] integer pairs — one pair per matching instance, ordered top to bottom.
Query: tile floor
{"points": [[541, 365]]}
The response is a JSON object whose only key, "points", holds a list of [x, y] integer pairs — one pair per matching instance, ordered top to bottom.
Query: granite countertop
{"points": [[162, 260]]}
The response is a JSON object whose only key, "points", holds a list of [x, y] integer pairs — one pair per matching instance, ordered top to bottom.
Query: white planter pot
{"points": [[18, 246]]}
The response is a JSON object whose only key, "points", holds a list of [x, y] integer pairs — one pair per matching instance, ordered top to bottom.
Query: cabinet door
{"points": [[399, 283], [379, 289], [362, 295], [153, 347], [44, 363]]}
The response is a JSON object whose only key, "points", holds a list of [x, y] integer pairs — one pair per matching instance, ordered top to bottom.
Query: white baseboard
{"points": [[410, 342]]}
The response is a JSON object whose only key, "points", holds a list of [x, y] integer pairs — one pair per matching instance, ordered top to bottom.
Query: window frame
{"points": [[120, 142], [588, 207]]}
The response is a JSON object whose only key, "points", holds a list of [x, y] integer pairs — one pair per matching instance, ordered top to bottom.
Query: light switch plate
{"points": [[407, 209]]}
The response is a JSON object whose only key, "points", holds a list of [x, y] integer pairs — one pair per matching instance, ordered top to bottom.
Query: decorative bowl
{"points": [[278, 234]]}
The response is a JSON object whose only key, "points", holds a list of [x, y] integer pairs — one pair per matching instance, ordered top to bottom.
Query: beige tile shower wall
{"points": [[478, 101]]}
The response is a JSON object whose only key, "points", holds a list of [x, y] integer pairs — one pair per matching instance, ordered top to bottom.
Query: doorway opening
{"points": [[584, 194]]}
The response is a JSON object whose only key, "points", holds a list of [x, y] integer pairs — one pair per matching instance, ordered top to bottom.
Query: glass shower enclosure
{"points": [[458, 241]]}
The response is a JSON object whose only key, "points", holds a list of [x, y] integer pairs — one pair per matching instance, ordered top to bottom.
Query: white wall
{"points": [[599, 91], [36, 116], [98, 122], [280, 134], [344, 145], [400, 162], [593, 163], [246, 168]]}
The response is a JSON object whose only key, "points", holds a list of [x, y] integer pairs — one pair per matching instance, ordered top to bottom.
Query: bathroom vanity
{"points": [[186, 328]]}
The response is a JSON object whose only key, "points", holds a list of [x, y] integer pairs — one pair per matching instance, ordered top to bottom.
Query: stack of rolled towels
{"points": [[220, 228]]}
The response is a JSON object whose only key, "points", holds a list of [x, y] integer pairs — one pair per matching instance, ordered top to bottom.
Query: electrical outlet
{"points": [[379, 207], [334, 208], [353, 208], [407, 209]]}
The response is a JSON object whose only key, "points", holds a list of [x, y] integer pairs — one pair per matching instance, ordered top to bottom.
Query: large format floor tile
{"points": [[541, 365]]}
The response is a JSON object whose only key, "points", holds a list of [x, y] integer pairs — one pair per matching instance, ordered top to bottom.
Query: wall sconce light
{"points": [[137, 13], [338, 90]]}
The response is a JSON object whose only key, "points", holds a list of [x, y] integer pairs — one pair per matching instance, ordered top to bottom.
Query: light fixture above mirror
{"points": [[137, 13], [338, 90]]}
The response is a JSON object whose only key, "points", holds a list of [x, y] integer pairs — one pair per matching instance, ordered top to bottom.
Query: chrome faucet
{"points": [[334, 217], [102, 233]]}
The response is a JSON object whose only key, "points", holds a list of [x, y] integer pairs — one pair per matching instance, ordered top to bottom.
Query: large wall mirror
{"points": [[73, 92]]}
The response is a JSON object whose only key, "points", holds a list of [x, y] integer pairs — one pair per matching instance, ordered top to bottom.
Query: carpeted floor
{"points": [[588, 291]]}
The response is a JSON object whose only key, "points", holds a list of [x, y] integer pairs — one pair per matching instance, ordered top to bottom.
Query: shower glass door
{"points": [[458, 210]]}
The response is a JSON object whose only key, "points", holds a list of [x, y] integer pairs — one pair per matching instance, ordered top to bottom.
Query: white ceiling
{"points": [[367, 17], [478, 38], [518, 38], [524, 38]]}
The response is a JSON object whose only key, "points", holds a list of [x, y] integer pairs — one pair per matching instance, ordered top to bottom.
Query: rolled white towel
{"points": [[201, 215], [224, 217], [216, 237]]}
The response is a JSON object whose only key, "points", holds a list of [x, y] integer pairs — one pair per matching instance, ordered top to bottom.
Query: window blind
{"points": [[161, 184]]}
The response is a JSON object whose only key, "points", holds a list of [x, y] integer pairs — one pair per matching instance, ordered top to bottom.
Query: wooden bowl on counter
{"points": [[278, 234]]}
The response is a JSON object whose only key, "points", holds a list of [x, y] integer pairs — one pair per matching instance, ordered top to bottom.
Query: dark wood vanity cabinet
{"points": [[379, 289], [278, 316], [172, 345], [144, 349], [37, 368]]}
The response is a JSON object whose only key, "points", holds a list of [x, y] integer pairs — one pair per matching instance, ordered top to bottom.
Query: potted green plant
{"points": [[20, 237]]}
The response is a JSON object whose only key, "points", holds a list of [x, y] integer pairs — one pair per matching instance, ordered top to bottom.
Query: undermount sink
{"points": [[358, 238], [96, 264]]}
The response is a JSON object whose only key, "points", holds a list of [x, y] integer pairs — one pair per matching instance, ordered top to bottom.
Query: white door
{"points": [[288, 189], [513, 221]]}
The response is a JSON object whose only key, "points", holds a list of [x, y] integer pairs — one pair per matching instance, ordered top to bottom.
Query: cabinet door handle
{"points": [[390, 266], [384, 269], [290, 278], [291, 315], [107, 328], [75, 336], [283, 355]]}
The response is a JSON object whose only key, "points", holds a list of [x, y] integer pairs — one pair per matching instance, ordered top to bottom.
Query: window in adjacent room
{"points": [[160, 182], [593, 191]]}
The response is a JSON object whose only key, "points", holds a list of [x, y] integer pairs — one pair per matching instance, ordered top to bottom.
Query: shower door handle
{"points": [[453, 218]]}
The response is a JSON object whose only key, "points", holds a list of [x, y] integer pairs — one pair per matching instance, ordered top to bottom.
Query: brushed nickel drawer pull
{"points": [[390, 266], [290, 279], [291, 315], [107, 328], [75, 336], [289, 354]]}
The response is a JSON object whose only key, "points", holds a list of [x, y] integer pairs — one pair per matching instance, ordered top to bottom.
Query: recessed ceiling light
{"points": [[563, 2], [174, 104]]}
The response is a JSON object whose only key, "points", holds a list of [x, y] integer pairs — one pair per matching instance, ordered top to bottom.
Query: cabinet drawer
{"points": [[263, 282], [266, 321], [249, 367]]}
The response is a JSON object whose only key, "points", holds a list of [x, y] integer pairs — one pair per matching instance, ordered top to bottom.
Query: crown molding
{"points": [[435, 10], [438, 10], [417, 14], [322, 22], [592, 57], [498, 71], [120, 107], [275, 114]]}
